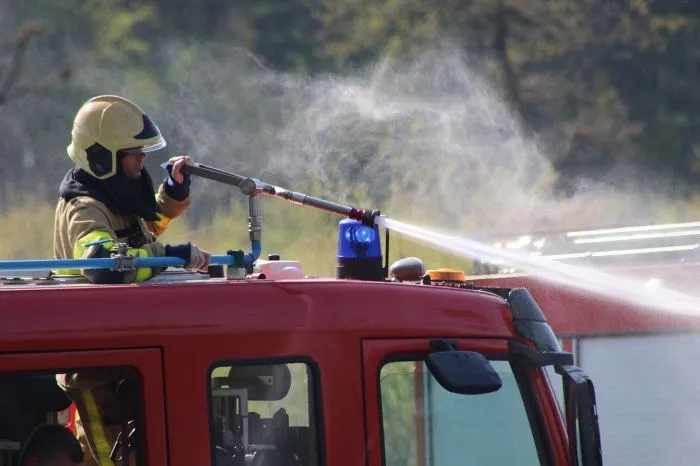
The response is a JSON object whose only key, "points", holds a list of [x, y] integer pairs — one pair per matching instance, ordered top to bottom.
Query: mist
{"points": [[427, 140]]}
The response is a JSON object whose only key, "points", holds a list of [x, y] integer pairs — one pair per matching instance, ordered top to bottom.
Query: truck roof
{"points": [[572, 311], [79, 315]]}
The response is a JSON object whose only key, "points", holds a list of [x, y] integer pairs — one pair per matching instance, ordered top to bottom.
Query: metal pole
{"points": [[253, 187]]}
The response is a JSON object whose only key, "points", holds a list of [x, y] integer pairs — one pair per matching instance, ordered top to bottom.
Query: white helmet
{"points": [[105, 125]]}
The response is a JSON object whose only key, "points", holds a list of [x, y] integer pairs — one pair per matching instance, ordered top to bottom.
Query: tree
{"points": [[602, 83]]}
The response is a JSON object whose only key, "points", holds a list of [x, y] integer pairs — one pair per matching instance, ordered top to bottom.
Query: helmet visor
{"points": [[144, 149]]}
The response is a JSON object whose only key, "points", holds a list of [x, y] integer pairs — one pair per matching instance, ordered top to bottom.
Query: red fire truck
{"points": [[640, 356], [256, 363]]}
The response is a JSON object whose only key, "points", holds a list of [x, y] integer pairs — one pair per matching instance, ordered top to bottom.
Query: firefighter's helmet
{"points": [[105, 125]]}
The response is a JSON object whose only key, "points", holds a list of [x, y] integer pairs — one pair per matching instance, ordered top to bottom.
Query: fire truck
{"points": [[639, 355], [257, 363]]}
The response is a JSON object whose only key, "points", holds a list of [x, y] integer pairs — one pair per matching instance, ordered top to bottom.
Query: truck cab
{"points": [[293, 372]]}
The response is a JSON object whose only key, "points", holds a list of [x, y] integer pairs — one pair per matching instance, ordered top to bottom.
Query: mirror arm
{"points": [[443, 345], [521, 353]]}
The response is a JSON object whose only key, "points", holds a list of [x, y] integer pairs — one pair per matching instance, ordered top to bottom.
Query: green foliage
{"points": [[112, 28], [363, 29], [117, 42], [27, 230], [400, 424]]}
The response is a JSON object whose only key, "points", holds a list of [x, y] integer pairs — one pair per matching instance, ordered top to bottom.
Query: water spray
{"points": [[568, 275]]}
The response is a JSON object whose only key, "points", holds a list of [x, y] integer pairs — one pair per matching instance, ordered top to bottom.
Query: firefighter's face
{"points": [[132, 163]]}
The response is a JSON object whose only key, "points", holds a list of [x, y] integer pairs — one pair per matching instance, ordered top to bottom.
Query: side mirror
{"points": [[463, 372]]}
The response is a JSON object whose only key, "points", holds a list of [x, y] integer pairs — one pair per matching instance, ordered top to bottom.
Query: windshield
{"points": [[425, 425]]}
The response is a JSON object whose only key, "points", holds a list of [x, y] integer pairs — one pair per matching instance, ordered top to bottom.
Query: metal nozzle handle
{"points": [[213, 174]]}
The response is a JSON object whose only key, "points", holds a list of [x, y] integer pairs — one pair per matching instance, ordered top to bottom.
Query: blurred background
{"points": [[484, 116]]}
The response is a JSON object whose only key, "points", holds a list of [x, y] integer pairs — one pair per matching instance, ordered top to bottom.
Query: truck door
{"points": [[32, 394], [413, 421]]}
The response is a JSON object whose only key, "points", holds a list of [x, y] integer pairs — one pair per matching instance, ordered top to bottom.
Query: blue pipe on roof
{"points": [[256, 249], [104, 263]]}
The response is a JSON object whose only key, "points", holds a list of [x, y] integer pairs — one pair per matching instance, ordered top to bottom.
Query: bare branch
{"points": [[30, 30], [46, 85]]}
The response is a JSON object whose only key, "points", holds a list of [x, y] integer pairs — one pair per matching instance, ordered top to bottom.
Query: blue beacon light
{"points": [[359, 253]]}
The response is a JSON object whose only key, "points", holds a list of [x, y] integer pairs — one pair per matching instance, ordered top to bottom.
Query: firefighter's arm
{"points": [[173, 196], [170, 207], [89, 223]]}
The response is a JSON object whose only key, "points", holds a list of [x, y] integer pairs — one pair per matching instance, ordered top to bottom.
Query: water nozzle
{"points": [[365, 216]]}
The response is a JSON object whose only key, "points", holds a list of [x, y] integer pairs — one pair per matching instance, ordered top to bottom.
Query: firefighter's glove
{"points": [[177, 185], [197, 259]]}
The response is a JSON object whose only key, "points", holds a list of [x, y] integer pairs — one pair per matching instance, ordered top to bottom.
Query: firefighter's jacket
{"points": [[84, 220], [104, 408]]}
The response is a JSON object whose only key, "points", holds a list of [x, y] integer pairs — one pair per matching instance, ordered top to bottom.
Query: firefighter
{"points": [[109, 198], [103, 409]]}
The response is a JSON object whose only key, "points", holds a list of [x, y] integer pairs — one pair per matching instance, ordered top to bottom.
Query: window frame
{"points": [[409, 351], [146, 362], [314, 397]]}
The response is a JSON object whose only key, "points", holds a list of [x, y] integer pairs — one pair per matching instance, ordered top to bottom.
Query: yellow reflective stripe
{"points": [[163, 221], [96, 235], [80, 247], [142, 273], [97, 433]]}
